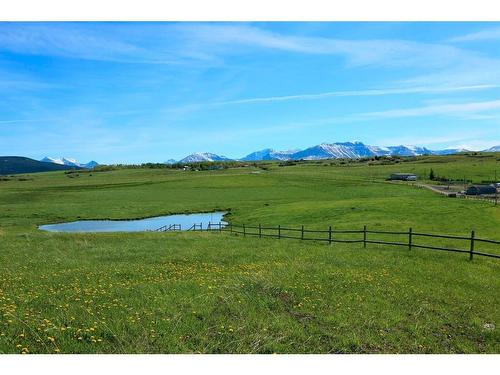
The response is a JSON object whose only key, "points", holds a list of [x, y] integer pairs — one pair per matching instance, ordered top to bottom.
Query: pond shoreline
{"points": [[226, 210], [178, 222]]}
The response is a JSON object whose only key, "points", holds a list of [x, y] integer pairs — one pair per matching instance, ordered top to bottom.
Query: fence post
{"points": [[208, 226], [220, 227], [231, 227], [244, 231], [260, 231], [279, 231], [302, 234], [330, 235], [364, 236], [410, 238], [471, 252]]}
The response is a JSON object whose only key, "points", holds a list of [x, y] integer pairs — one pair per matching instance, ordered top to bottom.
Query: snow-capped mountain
{"points": [[493, 149], [340, 150], [402, 150], [332, 151], [450, 151], [269, 154], [203, 156], [52, 160], [70, 162]]}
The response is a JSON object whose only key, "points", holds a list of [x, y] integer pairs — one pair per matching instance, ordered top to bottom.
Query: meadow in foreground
{"points": [[214, 293]]}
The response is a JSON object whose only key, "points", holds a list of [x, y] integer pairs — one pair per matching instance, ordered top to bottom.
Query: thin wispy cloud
{"points": [[486, 34], [101, 42], [180, 43], [387, 52], [442, 63], [16, 81], [167, 89], [372, 92], [458, 109], [20, 121]]}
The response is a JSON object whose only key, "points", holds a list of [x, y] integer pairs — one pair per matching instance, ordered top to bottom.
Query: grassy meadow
{"points": [[217, 293]]}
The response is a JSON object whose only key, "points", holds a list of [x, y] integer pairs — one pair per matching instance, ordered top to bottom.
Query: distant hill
{"points": [[19, 164]]}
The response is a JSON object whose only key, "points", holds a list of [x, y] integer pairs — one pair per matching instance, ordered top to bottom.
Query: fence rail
{"points": [[171, 227], [196, 227], [331, 237]]}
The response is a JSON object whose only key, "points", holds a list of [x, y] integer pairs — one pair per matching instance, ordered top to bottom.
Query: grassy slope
{"points": [[185, 292]]}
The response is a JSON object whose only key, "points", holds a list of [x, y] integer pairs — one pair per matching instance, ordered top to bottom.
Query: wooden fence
{"points": [[167, 228], [364, 236]]}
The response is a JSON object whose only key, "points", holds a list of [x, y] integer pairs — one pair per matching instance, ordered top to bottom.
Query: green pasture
{"points": [[221, 293]]}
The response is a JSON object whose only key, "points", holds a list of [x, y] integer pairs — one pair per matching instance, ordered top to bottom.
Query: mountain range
{"points": [[493, 149], [337, 150], [202, 156], [70, 162], [20, 164]]}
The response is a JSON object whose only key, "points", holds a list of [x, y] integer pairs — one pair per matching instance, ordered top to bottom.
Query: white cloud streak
{"points": [[487, 34], [99, 42], [179, 43], [357, 52], [372, 92], [459, 109]]}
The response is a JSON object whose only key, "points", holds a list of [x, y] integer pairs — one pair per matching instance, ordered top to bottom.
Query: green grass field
{"points": [[217, 293]]}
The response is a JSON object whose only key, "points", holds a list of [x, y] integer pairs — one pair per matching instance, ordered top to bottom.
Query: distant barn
{"points": [[403, 176], [480, 189]]}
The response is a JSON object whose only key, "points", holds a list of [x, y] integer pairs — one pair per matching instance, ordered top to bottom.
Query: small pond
{"points": [[185, 221]]}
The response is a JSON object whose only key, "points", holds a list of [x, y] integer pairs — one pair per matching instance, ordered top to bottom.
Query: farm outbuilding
{"points": [[403, 176], [481, 189]]}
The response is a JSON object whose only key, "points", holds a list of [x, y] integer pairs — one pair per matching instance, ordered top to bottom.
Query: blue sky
{"points": [[136, 92]]}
